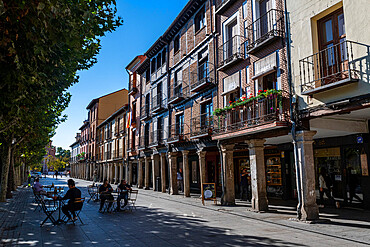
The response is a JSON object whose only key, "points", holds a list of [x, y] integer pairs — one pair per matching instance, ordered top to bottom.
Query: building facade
{"points": [[75, 154]]}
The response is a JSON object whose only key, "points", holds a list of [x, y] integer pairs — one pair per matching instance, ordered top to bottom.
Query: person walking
{"points": [[352, 185], [324, 186]]}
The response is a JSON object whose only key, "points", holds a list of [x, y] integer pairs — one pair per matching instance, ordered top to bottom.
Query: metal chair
{"points": [[132, 199], [48, 210]]}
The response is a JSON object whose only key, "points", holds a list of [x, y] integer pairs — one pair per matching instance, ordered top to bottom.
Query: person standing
{"points": [[180, 182], [352, 184], [244, 185], [324, 186], [123, 189], [105, 192], [72, 194]]}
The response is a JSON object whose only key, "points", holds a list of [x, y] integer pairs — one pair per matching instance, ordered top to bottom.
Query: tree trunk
{"points": [[5, 160], [10, 177]]}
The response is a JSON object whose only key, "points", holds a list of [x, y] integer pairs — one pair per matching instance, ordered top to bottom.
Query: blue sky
{"points": [[144, 22]]}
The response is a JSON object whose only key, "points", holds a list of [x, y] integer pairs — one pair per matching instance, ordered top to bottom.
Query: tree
{"points": [[44, 43]]}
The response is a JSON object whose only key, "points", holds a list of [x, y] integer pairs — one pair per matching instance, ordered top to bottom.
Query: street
{"points": [[164, 220]]}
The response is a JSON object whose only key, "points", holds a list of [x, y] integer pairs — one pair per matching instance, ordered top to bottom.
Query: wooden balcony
{"points": [[332, 67]]}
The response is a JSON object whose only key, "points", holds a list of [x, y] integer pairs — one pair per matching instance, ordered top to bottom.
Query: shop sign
{"points": [[360, 139], [364, 166], [209, 192]]}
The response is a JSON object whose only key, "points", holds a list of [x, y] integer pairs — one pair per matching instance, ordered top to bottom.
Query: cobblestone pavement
{"points": [[164, 220]]}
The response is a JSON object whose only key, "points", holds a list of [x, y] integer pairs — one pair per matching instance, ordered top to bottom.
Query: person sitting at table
{"points": [[38, 187], [123, 188], [105, 191], [71, 206]]}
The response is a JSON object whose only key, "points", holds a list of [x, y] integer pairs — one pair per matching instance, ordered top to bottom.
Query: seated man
{"points": [[38, 187], [123, 188], [105, 191], [72, 206]]}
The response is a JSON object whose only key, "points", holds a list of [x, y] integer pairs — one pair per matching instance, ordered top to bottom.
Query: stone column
{"points": [[306, 165], [202, 166], [228, 168], [155, 170], [126, 171], [104, 172], [120, 172], [163, 172], [173, 172], [186, 172], [116, 173], [130, 173], [140, 175], [258, 175], [147, 178]]}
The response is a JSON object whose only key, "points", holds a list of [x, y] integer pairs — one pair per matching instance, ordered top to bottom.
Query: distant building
{"points": [[50, 151]]}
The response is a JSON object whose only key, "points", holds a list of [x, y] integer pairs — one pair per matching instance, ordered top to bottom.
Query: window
{"points": [[200, 20], [176, 43], [164, 56], [159, 60], [202, 65], [153, 66], [147, 75], [231, 83], [133, 113], [180, 124], [133, 139]]}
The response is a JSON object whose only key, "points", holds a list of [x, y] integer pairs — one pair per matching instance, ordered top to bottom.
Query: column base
{"points": [[146, 188], [260, 204], [310, 212]]}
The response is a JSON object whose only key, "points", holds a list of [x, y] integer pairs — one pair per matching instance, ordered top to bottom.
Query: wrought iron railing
{"points": [[269, 25], [232, 50], [333, 64], [202, 75], [178, 91], [157, 102], [144, 112], [252, 114], [201, 125], [176, 133], [156, 137], [143, 142]]}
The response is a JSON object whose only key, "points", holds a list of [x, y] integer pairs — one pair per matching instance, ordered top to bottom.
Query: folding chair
{"points": [[92, 192], [37, 199], [132, 199], [113, 206], [48, 210], [77, 212]]}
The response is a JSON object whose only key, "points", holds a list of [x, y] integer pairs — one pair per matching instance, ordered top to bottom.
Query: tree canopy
{"points": [[44, 43]]}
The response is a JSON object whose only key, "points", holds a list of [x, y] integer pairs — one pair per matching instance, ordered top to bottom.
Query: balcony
{"points": [[222, 5], [265, 29], [231, 52], [332, 67], [202, 77], [133, 91], [178, 92], [157, 103], [144, 113], [253, 117], [201, 126], [176, 133], [156, 138], [143, 143]]}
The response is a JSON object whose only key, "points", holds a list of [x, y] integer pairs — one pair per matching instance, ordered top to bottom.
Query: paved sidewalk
{"points": [[164, 220]]}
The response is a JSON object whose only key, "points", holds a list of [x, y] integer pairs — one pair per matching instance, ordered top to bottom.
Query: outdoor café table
{"points": [[93, 192], [60, 202]]}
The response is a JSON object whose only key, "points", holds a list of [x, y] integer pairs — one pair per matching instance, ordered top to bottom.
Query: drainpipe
{"points": [[292, 116], [129, 129]]}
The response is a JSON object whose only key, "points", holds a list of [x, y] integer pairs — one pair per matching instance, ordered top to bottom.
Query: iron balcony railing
{"points": [[268, 26], [230, 51], [331, 67], [201, 77], [133, 90], [178, 92], [157, 102], [144, 112], [252, 114], [201, 125], [176, 133], [156, 138], [143, 142]]}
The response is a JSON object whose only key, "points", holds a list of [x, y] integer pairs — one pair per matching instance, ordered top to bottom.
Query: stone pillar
{"points": [[306, 165], [111, 166], [202, 166], [155, 170], [126, 171], [104, 172], [120, 172], [163, 172], [186, 172], [116, 173], [130, 173], [173, 173], [140, 175], [258, 175], [147, 178], [229, 178]]}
